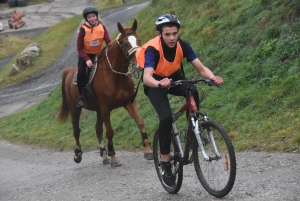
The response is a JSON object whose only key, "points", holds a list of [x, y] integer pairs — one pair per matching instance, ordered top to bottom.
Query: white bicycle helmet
{"points": [[167, 19]]}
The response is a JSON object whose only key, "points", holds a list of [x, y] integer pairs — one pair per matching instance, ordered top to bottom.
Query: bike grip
{"points": [[177, 82], [210, 82]]}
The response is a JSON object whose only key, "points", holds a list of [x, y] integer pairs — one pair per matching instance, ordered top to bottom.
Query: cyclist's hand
{"points": [[89, 63], [217, 80], [165, 83]]}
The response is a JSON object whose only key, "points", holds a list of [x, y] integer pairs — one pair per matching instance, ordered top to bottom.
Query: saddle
{"points": [[90, 72]]}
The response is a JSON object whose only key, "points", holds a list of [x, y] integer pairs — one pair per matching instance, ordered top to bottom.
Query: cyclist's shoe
{"points": [[81, 102], [167, 175]]}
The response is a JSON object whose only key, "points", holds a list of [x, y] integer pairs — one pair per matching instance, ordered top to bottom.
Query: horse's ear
{"points": [[134, 25], [120, 27]]}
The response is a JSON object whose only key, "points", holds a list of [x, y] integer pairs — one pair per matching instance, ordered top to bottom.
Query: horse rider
{"points": [[91, 35], [161, 59]]}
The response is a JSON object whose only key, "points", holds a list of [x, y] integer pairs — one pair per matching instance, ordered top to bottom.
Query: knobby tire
{"points": [[174, 158], [216, 176]]}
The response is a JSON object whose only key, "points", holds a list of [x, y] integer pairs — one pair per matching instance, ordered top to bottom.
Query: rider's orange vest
{"points": [[93, 39], [164, 67]]}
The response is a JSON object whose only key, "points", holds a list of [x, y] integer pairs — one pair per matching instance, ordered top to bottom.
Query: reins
{"points": [[128, 55], [135, 68], [126, 74]]}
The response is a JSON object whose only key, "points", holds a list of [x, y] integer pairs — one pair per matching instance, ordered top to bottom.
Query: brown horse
{"points": [[113, 88]]}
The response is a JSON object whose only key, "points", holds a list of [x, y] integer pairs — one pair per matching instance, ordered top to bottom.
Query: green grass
{"points": [[252, 44]]}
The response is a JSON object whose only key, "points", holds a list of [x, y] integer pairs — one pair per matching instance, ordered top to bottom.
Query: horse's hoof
{"points": [[78, 155], [148, 156], [77, 159], [106, 161], [115, 164]]}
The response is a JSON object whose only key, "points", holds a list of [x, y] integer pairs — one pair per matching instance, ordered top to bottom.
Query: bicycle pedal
{"points": [[172, 156], [177, 168]]}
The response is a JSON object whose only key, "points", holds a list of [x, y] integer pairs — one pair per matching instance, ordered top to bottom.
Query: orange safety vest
{"points": [[93, 39], [164, 68]]}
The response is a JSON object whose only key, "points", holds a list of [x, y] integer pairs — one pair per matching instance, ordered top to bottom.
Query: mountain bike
{"points": [[204, 142]]}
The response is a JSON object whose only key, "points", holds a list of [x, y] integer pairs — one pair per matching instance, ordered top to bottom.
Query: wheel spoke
{"points": [[216, 175]]}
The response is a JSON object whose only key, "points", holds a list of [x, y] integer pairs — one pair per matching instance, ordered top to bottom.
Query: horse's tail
{"points": [[64, 110]]}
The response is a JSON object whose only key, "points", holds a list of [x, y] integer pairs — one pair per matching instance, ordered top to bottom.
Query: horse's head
{"points": [[129, 40]]}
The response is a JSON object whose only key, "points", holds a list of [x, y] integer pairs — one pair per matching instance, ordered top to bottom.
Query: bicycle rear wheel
{"points": [[176, 163], [217, 175]]}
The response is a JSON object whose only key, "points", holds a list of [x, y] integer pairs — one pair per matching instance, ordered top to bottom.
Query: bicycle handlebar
{"points": [[194, 81]]}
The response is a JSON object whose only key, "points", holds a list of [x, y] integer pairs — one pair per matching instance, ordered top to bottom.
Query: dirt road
{"points": [[43, 15], [31, 173]]}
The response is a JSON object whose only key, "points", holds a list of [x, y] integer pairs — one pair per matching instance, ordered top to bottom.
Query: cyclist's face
{"points": [[169, 35]]}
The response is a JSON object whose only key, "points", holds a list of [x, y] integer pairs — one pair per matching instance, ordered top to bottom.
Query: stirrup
{"points": [[81, 102]]}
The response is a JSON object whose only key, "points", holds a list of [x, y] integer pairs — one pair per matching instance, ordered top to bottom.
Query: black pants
{"points": [[82, 75], [160, 101]]}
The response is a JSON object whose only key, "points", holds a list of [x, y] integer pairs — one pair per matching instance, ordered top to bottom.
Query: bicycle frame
{"points": [[193, 111], [217, 176]]}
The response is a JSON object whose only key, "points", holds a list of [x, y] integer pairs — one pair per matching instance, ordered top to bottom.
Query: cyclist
{"points": [[91, 36], [161, 59]]}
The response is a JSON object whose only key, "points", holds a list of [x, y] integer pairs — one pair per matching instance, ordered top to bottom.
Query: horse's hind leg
{"points": [[132, 110], [75, 116], [99, 131]]}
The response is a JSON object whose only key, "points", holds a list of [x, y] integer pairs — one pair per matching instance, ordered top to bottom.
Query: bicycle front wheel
{"points": [[176, 163], [217, 174]]}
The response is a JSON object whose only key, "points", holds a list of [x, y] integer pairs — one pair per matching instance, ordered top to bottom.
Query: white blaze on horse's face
{"points": [[133, 41]]}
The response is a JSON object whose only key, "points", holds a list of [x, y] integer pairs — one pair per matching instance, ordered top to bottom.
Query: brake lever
{"points": [[174, 83], [211, 83]]}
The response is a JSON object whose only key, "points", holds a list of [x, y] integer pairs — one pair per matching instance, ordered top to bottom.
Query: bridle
{"points": [[132, 50], [128, 54]]}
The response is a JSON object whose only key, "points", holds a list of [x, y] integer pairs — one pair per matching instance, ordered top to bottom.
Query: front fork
{"points": [[197, 132], [199, 139]]}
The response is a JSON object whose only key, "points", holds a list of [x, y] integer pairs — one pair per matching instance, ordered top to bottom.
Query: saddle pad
{"points": [[91, 75]]}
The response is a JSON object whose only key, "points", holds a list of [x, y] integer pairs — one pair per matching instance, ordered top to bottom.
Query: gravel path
{"points": [[31, 173]]}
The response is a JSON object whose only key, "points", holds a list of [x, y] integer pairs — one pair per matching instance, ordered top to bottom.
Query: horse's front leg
{"points": [[132, 110], [105, 113], [75, 116], [99, 132]]}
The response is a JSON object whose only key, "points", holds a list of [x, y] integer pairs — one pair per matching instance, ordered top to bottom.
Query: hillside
{"points": [[253, 45]]}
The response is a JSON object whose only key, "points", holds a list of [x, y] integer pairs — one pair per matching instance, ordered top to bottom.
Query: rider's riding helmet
{"points": [[88, 10], [166, 19]]}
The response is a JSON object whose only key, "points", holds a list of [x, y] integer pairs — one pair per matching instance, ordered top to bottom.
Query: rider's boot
{"points": [[81, 102], [167, 175]]}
